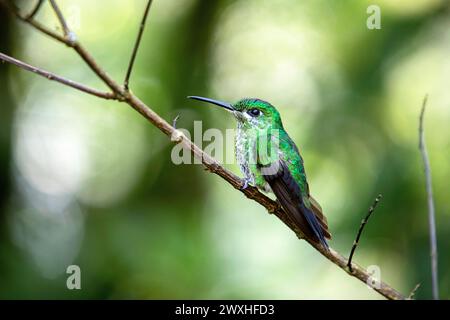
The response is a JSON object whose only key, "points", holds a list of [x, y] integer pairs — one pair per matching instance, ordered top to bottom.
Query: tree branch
{"points": [[35, 10], [30, 20], [67, 33], [136, 45], [82, 52], [54, 77], [212, 164], [431, 214], [361, 228], [413, 292]]}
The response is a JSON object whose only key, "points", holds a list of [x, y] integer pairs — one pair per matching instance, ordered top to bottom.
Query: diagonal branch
{"points": [[67, 33], [136, 45], [55, 77], [212, 164], [431, 214], [361, 228]]}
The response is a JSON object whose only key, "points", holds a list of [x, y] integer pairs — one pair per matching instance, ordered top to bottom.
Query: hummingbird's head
{"points": [[250, 112]]}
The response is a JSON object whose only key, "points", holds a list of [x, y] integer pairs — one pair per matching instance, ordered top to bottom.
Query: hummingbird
{"points": [[271, 161]]}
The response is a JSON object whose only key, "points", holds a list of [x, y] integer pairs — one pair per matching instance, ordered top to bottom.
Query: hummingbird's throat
{"points": [[240, 116], [247, 122]]}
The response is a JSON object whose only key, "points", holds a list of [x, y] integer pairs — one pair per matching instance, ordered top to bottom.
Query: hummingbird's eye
{"points": [[254, 112]]}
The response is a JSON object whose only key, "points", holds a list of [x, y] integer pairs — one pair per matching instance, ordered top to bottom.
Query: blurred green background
{"points": [[89, 182]]}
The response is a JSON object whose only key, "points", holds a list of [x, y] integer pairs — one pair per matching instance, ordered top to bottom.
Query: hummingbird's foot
{"points": [[246, 182]]}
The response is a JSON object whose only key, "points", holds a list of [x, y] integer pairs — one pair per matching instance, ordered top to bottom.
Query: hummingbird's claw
{"points": [[245, 184]]}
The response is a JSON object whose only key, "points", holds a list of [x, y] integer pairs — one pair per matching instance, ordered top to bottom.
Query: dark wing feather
{"points": [[289, 195], [317, 209]]}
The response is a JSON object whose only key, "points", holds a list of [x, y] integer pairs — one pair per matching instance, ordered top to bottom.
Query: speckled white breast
{"points": [[243, 153], [246, 156]]}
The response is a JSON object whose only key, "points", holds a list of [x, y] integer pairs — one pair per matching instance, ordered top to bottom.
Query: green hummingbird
{"points": [[270, 160]]}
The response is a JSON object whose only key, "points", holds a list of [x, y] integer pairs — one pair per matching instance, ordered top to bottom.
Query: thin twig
{"points": [[35, 10], [30, 20], [45, 30], [69, 35], [136, 45], [82, 52], [95, 67], [54, 77], [174, 122], [214, 166], [431, 213], [361, 228], [413, 292]]}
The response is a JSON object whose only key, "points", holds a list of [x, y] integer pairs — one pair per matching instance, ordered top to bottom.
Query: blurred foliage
{"points": [[90, 182]]}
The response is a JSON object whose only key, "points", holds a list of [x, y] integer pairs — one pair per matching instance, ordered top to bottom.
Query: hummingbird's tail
{"points": [[296, 205], [317, 210], [314, 224]]}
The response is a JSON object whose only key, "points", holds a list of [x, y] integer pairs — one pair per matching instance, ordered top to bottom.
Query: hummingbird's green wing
{"points": [[288, 193]]}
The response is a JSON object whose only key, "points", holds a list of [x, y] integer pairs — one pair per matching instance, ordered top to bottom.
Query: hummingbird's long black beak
{"points": [[225, 105]]}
